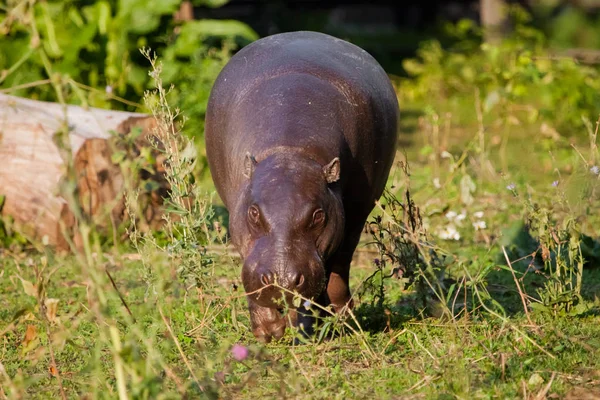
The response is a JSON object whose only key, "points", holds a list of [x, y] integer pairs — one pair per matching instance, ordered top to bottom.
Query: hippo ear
{"points": [[249, 165], [332, 170]]}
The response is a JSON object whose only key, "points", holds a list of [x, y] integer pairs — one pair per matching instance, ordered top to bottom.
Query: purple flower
{"points": [[595, 170], [555, 183], [511, 187], [377, 262], [239, 352]]}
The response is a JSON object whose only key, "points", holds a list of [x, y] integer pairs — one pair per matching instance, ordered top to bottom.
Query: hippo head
{"points": [[289, 220]]}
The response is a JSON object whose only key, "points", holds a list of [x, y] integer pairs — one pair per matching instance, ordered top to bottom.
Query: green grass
{"points": [[478, 356]]}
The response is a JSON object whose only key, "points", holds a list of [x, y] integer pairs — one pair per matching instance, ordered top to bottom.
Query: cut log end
{"points": [[44, 194]]}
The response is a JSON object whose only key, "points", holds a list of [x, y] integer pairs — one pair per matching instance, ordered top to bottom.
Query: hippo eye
{"points": [[253, 214], [318, 217]]}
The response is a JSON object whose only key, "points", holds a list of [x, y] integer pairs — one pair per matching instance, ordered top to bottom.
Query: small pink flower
{"points": [[239, 352]]}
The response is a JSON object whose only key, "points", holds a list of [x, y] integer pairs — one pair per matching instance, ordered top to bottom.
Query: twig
{"points": [[584, 56], [16, 65], [26, 85], [109, 95], [480, 128], [580, 155], [512, 271], [119, 293], [511, 325], [402, 332], [152, 353], [183, 357], [53, 359], [435, 360], [302, 369], [119, 370], [6, 377], [427, 379], [542, 394]]}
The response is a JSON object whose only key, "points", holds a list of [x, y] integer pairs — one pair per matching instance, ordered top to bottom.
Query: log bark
{"points": [[57, 167]]}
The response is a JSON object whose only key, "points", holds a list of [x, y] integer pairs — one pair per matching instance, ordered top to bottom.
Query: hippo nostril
{"points": [[264, 278], [299, 280]]}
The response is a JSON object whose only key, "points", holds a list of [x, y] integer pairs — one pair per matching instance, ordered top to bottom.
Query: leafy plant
{"points": [[76, 52], [520, 79], [187, 209], [406, 252], [563, 261]]}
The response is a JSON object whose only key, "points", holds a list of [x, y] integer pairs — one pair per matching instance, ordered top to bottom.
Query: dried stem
{"points": [[521, 294], [181, 353]]}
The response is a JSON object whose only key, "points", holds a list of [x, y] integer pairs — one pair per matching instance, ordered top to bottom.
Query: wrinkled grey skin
{"points": [[300, 137]]}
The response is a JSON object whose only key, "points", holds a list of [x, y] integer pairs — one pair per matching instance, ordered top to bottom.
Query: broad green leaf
{"points": [[210, 3], [100, 14], [143, 16], [75, 17], [193, 32], [49, 41], [413, 67]]}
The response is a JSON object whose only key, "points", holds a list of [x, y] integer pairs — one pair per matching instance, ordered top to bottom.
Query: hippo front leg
{"points": [[338, 285], [338, 289], [267, 323]]}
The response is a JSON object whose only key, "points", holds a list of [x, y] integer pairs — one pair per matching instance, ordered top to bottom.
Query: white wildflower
{"points": [[436, 183], [478, 214], [451, 215], [461, 216], [479, 225], [449, 233]]}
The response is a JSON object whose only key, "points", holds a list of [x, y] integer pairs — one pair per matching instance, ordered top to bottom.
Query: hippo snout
{"points": [[289, 280], [271, 282]]}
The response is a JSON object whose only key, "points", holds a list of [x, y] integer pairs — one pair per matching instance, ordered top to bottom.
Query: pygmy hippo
{"points": [[300, 137]]}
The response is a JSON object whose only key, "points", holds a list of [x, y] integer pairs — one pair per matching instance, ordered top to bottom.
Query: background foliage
{"points": [[90, 49], [483, 283]]}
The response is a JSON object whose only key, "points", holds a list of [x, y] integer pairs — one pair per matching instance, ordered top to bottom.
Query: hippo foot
{"points": [[343, 308], [267, 323]]}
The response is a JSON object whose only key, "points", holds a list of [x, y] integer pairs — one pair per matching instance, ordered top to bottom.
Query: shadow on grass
{"points": [[524, 252], [376, 316]]}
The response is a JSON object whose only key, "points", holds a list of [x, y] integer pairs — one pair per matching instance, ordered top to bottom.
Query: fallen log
{"points": [[60, 164]]}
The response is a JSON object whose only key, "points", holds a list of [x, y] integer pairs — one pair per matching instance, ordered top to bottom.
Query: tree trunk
{"points": [[494, 19], [58, 162]]}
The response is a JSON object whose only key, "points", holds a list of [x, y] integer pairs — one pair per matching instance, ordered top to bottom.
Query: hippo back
{"points": [[307, 91]]}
